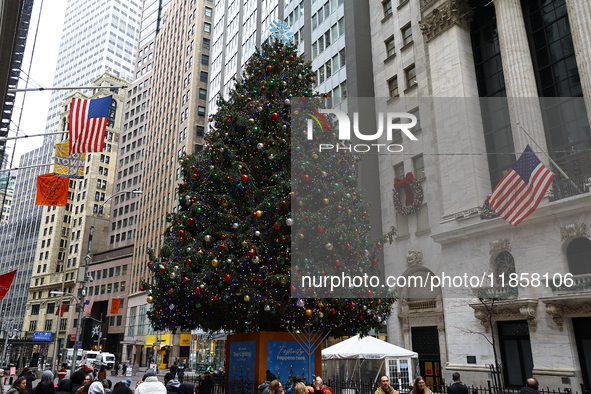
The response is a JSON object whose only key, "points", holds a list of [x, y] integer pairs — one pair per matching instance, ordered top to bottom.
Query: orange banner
{"points": [[52, 190], [115, 306], [63, 308]]}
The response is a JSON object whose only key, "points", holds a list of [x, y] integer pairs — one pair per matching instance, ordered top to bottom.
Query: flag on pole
{"points": [[88, 124], [66, 165], [522, 188], [52, 190], [6, 282], [115, 304], [88, 306], [61, 310]]}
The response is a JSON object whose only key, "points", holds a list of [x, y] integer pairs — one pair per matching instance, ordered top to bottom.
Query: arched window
{"points": [[578, 254], [504, 264]]}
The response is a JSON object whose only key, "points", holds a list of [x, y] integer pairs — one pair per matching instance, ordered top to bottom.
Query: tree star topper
{"points": [[281, 31]]}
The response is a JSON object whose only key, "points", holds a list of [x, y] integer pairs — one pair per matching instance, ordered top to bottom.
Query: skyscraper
{"points": [[96, 37], [174, 130]]}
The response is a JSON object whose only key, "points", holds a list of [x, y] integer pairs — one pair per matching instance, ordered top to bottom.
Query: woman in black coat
{"points": [[64, 387]]}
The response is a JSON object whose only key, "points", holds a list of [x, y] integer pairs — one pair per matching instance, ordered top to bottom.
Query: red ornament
{"points": [[269, 68], [274, 116], [244, 178], [306, 178], [190, 221], [276, 226], [320, 229], [182, 233], [379, 244], [222, 247], [349, 247], [251, 253], [189, 261], [337, 263], [162, 269], [227, 277], [185, 279], [197, 290], [170, 291], [369, 293], [216, 298], [333, 311], [360, 317]]}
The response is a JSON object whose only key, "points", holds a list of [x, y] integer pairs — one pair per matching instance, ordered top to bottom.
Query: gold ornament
{"points": [[315, 156], [325, 201], [259, 214], [244, 243], [200, 252], [215, 262], [150, 299], [308, 312]]}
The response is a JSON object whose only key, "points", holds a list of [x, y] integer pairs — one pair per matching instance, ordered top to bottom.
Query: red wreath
{"points": [[413, 191]]}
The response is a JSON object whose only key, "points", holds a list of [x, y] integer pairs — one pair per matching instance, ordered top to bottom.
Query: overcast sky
{"points": [[48, 30]]}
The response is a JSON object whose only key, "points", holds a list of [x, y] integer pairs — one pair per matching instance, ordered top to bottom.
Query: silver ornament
{"points": [[287, 101], [260, 146], [289, 221], [235, 225], [257, 233], [207, 238], [329, 246], [256, 259], [247, 298], [300, 303], [171, 306], [267, 308]]}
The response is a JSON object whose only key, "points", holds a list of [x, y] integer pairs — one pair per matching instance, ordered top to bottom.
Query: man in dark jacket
{"points": [[172, 385], [457, 387], [531, 387]]}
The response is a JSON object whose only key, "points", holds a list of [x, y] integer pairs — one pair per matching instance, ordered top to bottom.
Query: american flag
{"points": [[88, 124], [520, 191], [88, 306]]}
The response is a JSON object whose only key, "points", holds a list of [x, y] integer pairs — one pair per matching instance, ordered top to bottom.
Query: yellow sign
{"points": [[165, 340], [185, 340]]}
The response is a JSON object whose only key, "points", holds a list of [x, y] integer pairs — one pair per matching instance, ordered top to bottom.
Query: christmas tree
{"points": [[226, 262]]}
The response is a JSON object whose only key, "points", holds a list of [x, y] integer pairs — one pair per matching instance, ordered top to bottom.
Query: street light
{"points": [[87, 259], [78, 325]]}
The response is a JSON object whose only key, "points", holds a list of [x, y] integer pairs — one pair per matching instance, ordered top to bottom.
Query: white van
{"points": [[90, 357], [107, 359]]}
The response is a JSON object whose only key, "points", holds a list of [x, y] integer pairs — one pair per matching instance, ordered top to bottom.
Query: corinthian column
{"points": [[579, 18], [520, 80]]}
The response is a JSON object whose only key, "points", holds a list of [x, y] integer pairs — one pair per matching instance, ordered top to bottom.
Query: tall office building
{"points": [[96, 37], [174, 130], [132, 142]]}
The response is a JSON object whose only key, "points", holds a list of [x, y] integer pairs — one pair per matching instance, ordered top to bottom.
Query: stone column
{"points": [[579, 17], [520, 79], [465, 180]]}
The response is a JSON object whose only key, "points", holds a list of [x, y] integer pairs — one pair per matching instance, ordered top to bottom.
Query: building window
{"points": [[387, 6], [208, 11], [207, 27], [406, 34], [390, 48], [205, 59], [203, 76], [411, 76], [393, 86], [203, 94], [201, 111], [418, 167], [399, 170], [578, 255], [503, 264], [35, 309], [33, 325], [48, 325]]}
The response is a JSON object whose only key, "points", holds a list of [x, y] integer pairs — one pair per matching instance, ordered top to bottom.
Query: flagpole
{"points": [[63, 88], [32, 135], [549, 158], [26, 167]]}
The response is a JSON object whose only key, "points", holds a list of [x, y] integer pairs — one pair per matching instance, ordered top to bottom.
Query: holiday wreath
{"points": [[413, 191]]}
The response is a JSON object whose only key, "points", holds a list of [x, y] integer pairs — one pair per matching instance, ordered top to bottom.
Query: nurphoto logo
{"points": [[390, 121]]}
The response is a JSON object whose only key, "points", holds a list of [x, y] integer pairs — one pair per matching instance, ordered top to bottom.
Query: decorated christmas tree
{"points": [[226, 263]]}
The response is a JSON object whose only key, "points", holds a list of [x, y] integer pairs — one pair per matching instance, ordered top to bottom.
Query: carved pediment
{"points": [[574, 230], [500, 245], [491, 312]]}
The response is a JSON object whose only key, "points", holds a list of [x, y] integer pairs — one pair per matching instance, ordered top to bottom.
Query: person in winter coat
{"points": [[47, 376], [77, 379], [85, 384], [150, 384], [206, 384], [172, 385], [19, 386], [45, 387], [64, 387], [264, 387], [385, 387], [420, 387], [457, 387], [531, 387], [96, 388], [121, 388]]}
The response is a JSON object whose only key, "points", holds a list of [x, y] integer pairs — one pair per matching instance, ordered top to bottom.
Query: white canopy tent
{"points": [[362, 359]]}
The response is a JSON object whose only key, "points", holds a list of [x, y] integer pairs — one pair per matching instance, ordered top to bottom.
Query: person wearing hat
{"points": [[150, 384], [264, 387], [96, 388]]}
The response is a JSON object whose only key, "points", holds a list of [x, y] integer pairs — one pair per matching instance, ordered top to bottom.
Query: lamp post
{"points": [[87, 260], [6, 330]]}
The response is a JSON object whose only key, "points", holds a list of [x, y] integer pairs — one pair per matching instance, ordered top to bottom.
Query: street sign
{"points": [[42, 336], [78, 345]]}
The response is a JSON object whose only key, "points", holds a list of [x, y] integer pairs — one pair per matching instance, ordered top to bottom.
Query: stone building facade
{"points": [[485, 79]]}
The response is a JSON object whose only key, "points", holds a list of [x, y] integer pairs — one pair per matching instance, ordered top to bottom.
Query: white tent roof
{"points": [[365, 348]]}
